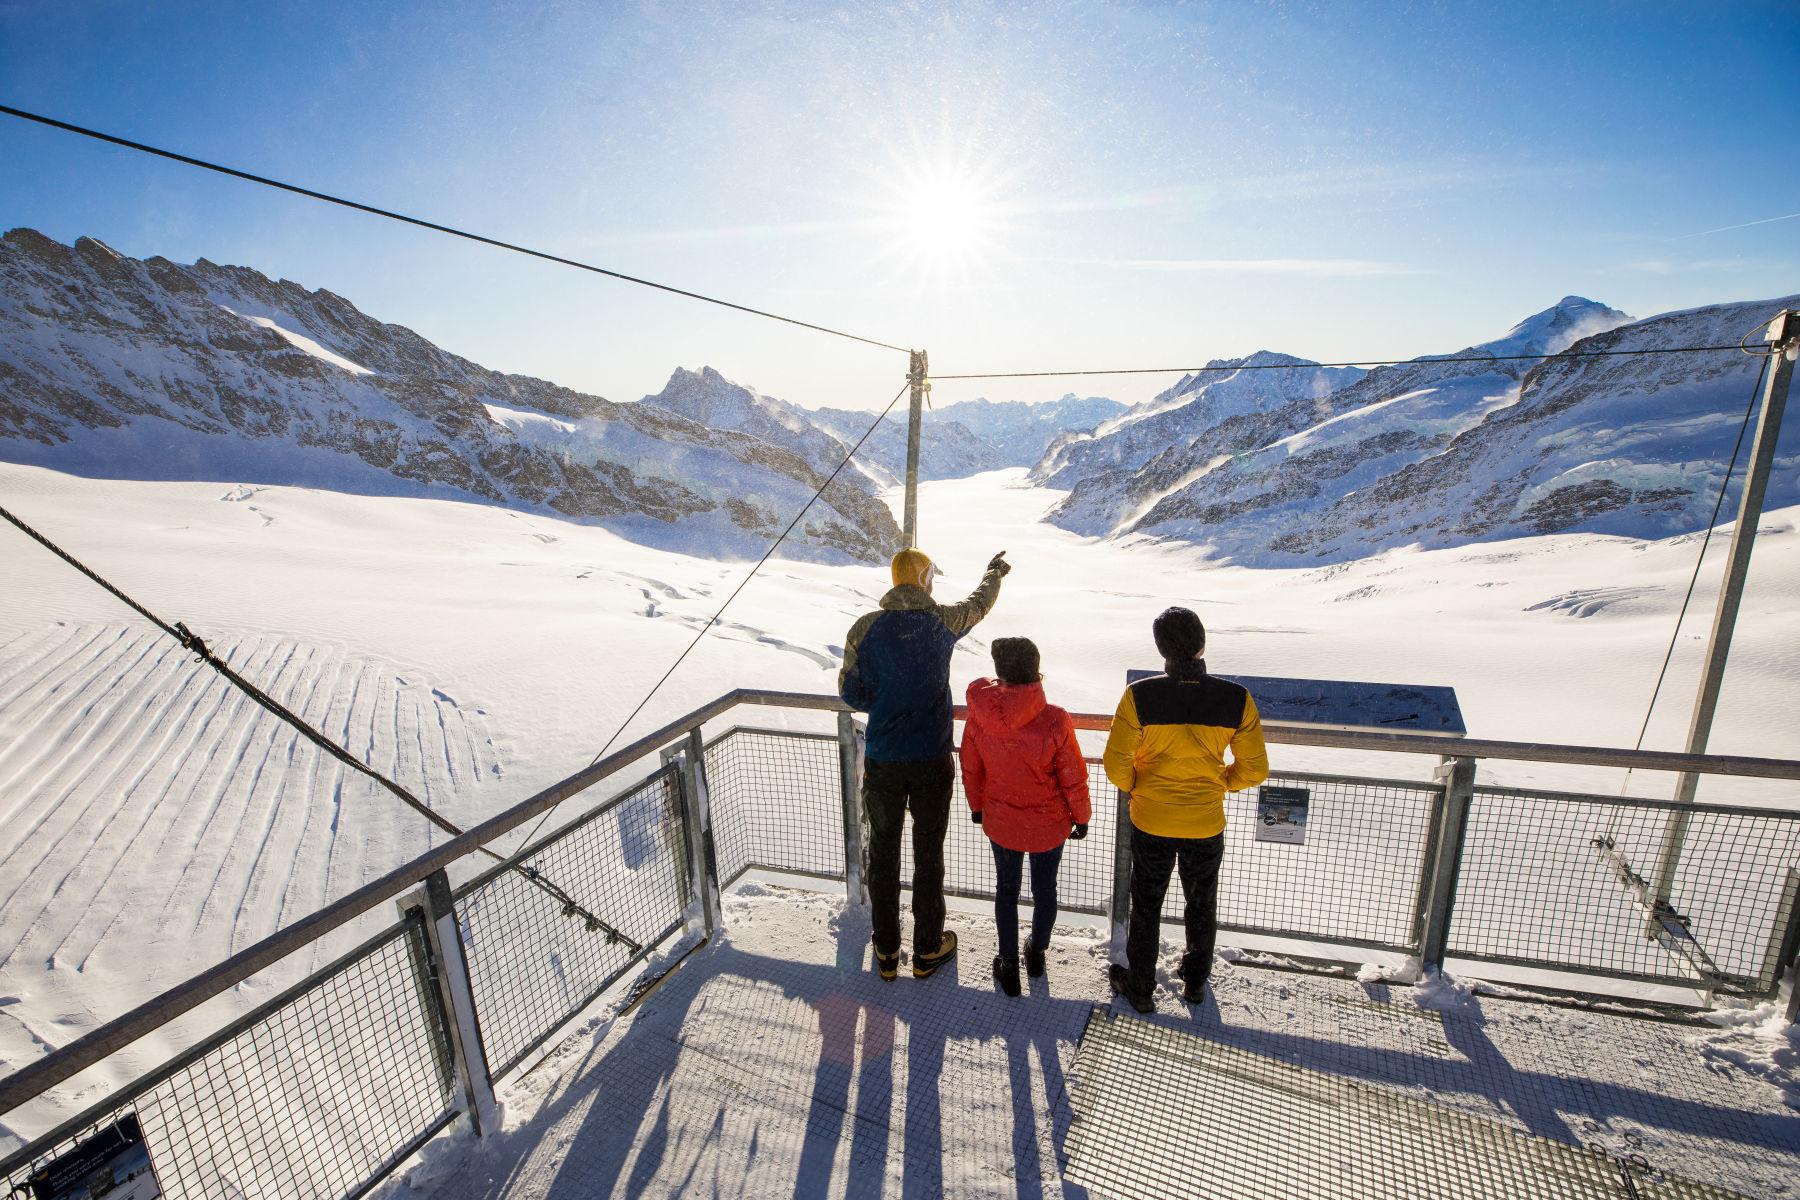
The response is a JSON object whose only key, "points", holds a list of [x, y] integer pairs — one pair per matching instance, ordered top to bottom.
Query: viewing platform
{"points": [[670, 994], [774, 1062]]}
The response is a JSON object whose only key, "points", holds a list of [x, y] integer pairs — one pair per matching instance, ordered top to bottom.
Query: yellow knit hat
{"points": [[912, 566]]}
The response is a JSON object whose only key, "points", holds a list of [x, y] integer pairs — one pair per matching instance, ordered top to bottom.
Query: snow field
{"points": [[155, 821]]}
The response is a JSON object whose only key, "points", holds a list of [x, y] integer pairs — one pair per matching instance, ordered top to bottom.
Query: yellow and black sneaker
{"points": [[887, 964], [925, 964]]}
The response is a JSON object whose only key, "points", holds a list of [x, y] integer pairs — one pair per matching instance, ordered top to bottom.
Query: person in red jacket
{"points": [[1027, 788]]}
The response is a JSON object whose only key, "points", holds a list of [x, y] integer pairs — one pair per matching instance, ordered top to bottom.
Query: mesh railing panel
{"points": [[776, 802], [1355, 879], [1083, 880], [1537, 887], [531, 967], [316, 1098]]}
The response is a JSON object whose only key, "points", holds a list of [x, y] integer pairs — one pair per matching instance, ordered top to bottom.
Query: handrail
{"points": [[61, 1064], [35, 1078]]}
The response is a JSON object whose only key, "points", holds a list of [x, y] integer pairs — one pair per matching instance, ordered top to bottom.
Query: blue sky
{"points": [[1149, 184]]}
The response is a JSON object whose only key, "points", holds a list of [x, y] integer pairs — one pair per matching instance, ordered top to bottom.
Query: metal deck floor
{"points": [[774, 1063]]}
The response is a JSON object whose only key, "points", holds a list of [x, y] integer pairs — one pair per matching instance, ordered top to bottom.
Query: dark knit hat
{"points": [[1179, 634], [1015, 660]]}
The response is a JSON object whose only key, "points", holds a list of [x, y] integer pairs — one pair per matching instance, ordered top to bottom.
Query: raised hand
{"points": [[999, 563]]}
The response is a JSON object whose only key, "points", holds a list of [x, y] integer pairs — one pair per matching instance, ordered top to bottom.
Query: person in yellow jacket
{"points": [[1167, 751]]}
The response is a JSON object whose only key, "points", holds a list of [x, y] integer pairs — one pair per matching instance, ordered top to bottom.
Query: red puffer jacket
{"points": [[1022, 767]]}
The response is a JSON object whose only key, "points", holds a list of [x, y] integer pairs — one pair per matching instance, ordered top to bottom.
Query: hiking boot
{"points": [[1034, 961], [887, 964], [925, 964], [1006, 974], [1120, 979], [1193, 990]]}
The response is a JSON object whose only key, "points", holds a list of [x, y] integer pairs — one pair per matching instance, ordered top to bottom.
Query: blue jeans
{"points": [[1009, 867]]}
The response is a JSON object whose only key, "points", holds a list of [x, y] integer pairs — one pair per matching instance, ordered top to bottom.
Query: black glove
{"points": [[999, 563], [975, 817], [1079, 832]]}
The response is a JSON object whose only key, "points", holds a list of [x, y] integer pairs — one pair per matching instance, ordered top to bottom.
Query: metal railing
{"points": [[326, 1088]]}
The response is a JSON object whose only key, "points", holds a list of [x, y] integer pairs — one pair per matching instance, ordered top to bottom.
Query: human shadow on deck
{"points": [[719, 1058], [1481, 1068], [641, 1129]]}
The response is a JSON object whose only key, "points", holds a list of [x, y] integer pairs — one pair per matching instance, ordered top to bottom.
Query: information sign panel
{"points": [[1281, 814], [114, 1164]]}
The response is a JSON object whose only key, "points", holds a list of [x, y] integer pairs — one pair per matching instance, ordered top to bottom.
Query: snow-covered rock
{"points": [[115, 367], [711, 399], [1021, 432], [969, 437], [1631, 445], [1155, 447], [947, 449], [1442, 450], [1262, 477]]}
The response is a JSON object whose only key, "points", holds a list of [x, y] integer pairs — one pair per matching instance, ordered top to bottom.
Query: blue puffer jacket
{"points": [[897, 669]]}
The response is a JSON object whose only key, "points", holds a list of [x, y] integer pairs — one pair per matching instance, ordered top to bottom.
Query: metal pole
{"points": [[1783, 332], [910, 524], [850, 767], [1458, 777], [696, 817], [1121, 883], [450, 970]]}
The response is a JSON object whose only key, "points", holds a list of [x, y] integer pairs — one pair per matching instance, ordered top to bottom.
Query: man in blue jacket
{"points": [[897, 669]]}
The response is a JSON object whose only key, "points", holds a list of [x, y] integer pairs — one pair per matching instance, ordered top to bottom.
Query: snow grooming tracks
{"points": [[191, 641], [175, 781]]}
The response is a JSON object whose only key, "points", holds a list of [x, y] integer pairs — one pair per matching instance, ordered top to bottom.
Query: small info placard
{"points": [[1281, 814], [114, 1164]]}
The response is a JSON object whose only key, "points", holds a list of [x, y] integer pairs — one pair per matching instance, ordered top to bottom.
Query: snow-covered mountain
{"points": [[115, 367], [713, 400], [1234, 405], [1022, 432], [971, 436], [955, 441], [947, 449], [1443, 451]]}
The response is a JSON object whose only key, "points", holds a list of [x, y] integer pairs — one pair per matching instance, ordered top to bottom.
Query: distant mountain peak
{"points": [[1556, 328]]}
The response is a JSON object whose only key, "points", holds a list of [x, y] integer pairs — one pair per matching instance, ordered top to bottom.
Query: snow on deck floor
{"points": [[774, 1063]]}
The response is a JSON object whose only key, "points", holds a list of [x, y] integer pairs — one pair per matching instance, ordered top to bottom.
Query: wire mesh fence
{"points": [[777, 802], [1354, 880], [1556, 880], [1533, 888], [532, 966], [325, 1089], [318, 1093]]}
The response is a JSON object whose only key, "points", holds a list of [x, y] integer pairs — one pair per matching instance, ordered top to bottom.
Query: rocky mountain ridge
{"points": [[153, 369], [955, 440], [1451, 449]]}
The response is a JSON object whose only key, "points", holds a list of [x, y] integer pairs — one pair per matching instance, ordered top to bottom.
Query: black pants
{"points": [[890, 791], [1152, 859]]}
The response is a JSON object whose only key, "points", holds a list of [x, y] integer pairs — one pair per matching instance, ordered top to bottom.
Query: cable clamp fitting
{"points": [[192, 641]]}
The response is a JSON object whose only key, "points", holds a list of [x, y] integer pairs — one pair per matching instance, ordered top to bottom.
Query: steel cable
{"points": [[434, 226], [1313, 366], [1694, 579], [203, 653]]}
